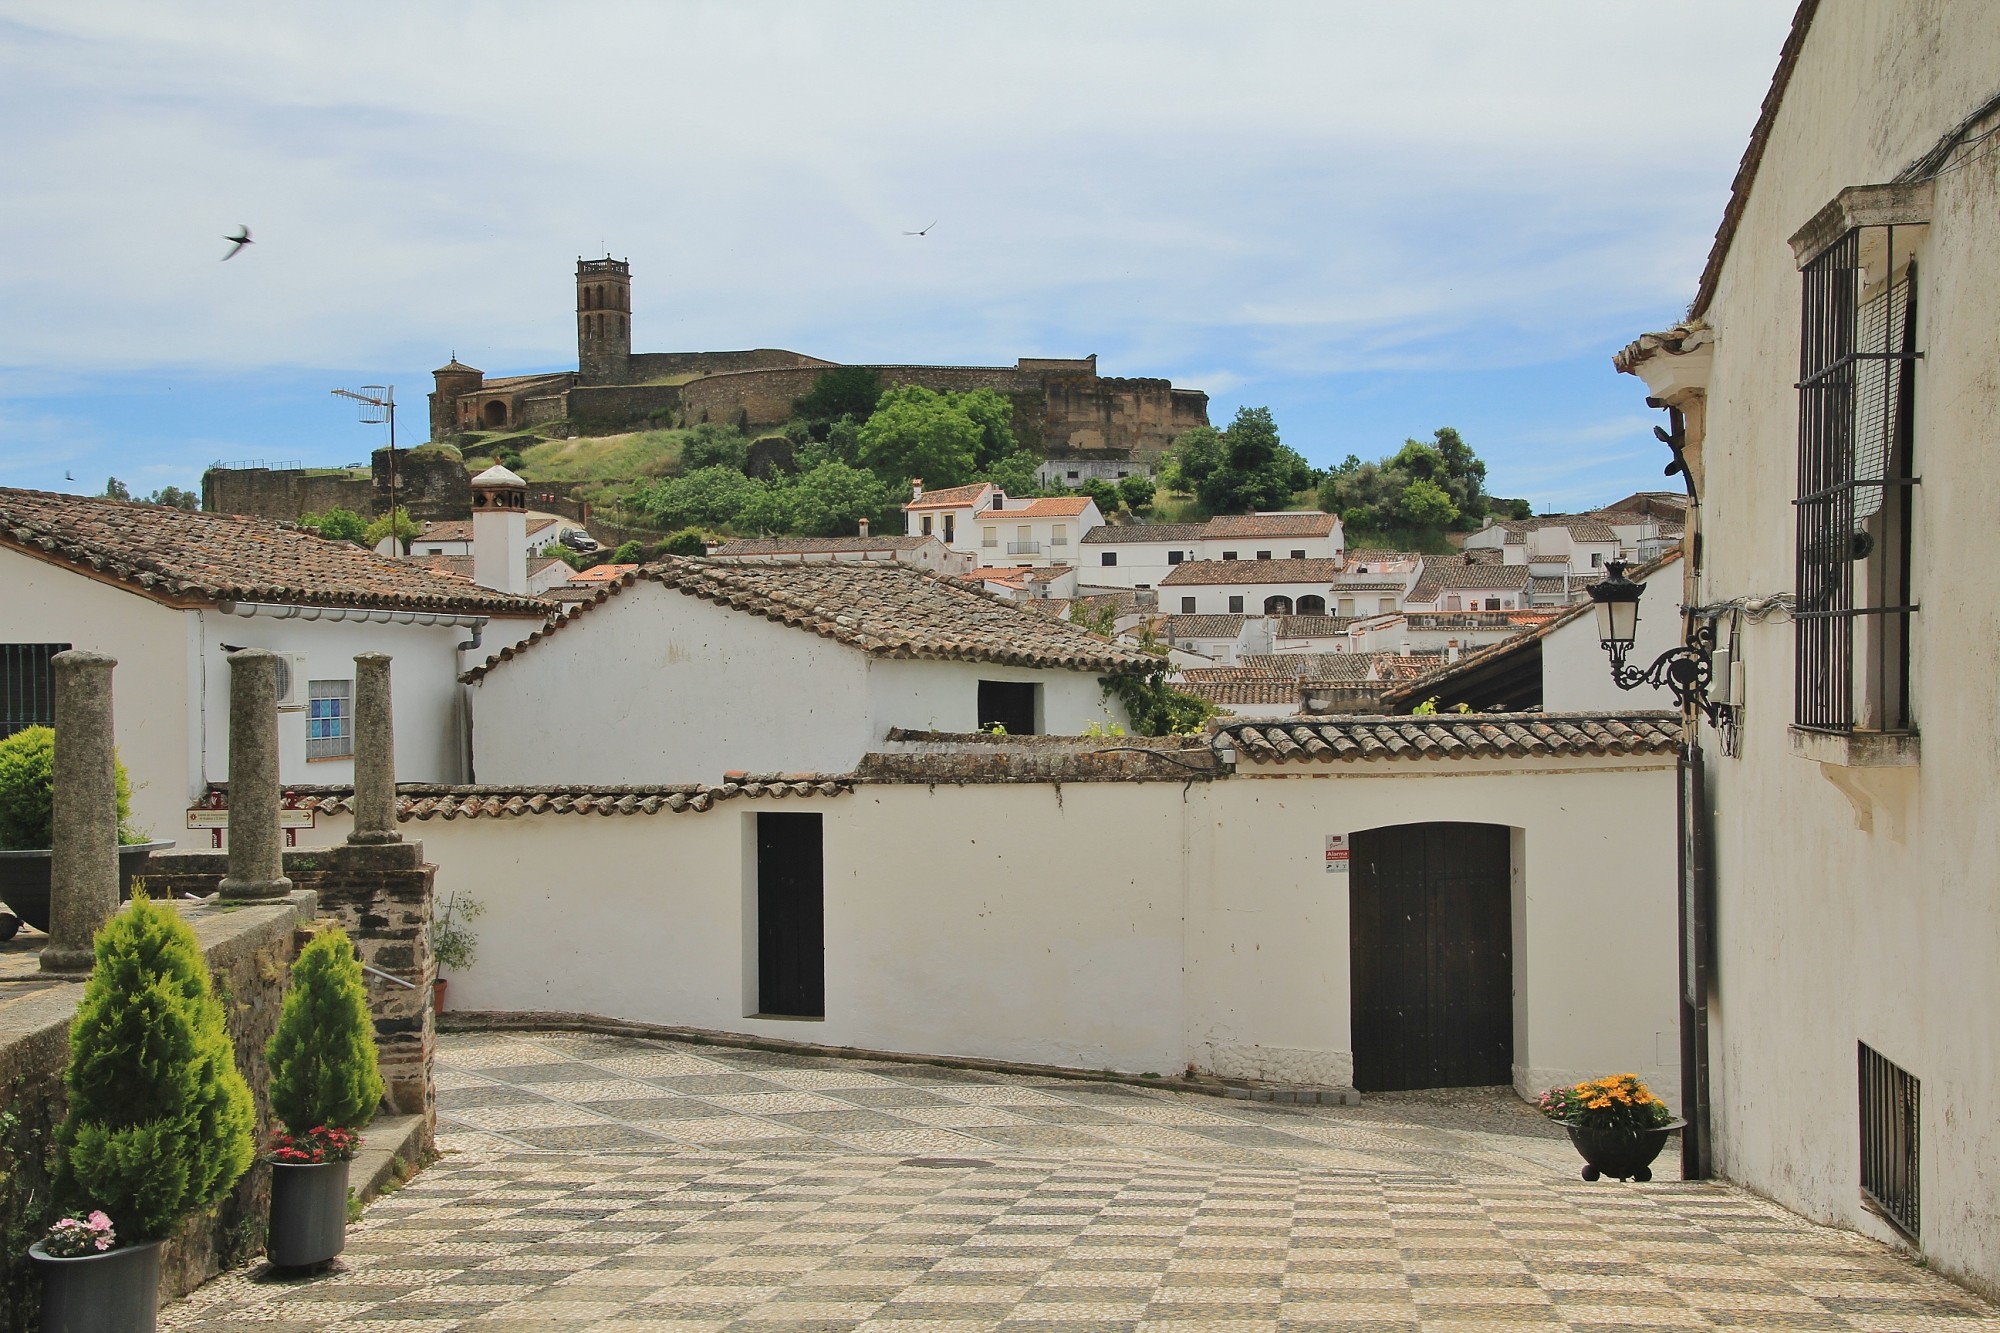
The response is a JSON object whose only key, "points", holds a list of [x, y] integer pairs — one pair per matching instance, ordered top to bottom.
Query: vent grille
{"points": [[1890, 1158]]}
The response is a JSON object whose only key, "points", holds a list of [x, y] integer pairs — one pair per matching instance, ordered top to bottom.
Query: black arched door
{"points": [[1430, 936]]}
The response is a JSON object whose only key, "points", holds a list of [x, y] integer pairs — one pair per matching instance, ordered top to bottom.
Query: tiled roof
{"points": [[952, 497], [1058, 506], [1311, 523], [1582, 527], [460, 530], [1180, 534], [815, 545], [1375, 555], [181, 557], [462, 566], [1251, 571], [1444, 572], [600, 574], [1348, 583], [1555, 587], [885, 609], [1201, 627], [1313, 627], [1311, 666], [1225, 692], [1457, 736], [423, 801]]}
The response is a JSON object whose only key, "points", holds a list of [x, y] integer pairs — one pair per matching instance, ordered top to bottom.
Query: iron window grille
{"points": [[1856, 405], [27, 686], [330, 720], [1890, 1145]]}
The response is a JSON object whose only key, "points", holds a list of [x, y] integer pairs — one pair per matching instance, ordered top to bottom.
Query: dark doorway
{"points": [[495, 412], [1310, 605], [1277, 606], [1010, 704], [791, 916], [1431, 935]]}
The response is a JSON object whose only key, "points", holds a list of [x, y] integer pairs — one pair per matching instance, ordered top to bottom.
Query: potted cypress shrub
{"points": [[27, 814], [453, 941], [325, 1085], [160, 1123], [1616, 1123]]}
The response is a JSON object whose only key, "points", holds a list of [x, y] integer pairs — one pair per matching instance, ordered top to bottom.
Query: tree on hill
{"points": [[844, 391], [915, 432], [712, 444], [1243, 468], [1422, 491], [709, 497], [828, 501], [406, 529]]}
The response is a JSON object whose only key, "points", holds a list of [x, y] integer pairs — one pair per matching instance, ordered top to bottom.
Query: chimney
{"points": [[916, 489], [864, 529], [500, 531], [1403, 649], [1451, 650]]}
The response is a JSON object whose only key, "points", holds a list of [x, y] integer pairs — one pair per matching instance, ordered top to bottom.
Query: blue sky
{"points": [[1374, 219]]}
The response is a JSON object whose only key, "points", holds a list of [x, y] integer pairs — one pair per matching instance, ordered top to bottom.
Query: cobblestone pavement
{"points": [[598, 1183]]}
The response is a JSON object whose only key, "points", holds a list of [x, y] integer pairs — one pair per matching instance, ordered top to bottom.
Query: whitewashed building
{"points": [[1834, 385], [919, 552], [1142, 555], [1271, 587], [170, 594], [688, 668]]}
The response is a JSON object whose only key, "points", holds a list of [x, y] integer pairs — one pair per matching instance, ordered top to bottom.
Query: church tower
{"points": [[603, 320]]}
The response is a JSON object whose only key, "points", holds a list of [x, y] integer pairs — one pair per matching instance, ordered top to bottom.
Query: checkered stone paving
{"points": [[597, 1183]]}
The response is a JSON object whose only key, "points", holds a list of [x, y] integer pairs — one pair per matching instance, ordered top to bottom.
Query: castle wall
{"points": [[643, 366], [615, 407], [1137, 416], [432, 487], [287, 494]]}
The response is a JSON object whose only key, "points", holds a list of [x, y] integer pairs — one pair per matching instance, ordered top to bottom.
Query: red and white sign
{"points": [[1336, 853]]}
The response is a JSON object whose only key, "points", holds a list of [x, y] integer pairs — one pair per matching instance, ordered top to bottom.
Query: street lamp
{"points": [[1685, 670]]}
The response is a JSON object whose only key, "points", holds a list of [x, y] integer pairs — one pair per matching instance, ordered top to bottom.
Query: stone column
{"points": [[374, 753], [256, 846], [83, 873]]}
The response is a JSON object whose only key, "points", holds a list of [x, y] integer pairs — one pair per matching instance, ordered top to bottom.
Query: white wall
{"points": [[1140, 564], [1212, 599], [1576, 672], [656, 686], [157, 731], [1862, 905], [1205, 930]]}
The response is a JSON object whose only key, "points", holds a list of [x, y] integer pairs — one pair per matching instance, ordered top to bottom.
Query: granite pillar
{"points": [[374, 753], [256, 845], [83, 871]]}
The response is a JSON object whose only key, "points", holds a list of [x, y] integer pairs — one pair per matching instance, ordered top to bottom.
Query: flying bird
{"points": [[925, 232], [242, 238], [69, 476]]}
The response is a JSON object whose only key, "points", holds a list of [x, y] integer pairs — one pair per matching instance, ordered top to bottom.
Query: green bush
{"points": [[687, 541], [27, 792], [323, 1064], [160, 1121]]}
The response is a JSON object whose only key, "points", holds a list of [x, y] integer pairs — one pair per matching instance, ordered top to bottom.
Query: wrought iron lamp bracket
{"points": [[1685, 671]]}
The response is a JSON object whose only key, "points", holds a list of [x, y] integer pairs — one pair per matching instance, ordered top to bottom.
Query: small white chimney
{"points": [[916, 489], [864, 529], [500, 531], [1403, 648], [1451, 650]]}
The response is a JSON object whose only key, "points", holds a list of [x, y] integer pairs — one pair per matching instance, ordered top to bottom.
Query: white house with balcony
{"points": [[1047, 531], [1141, 555], [1249, 587]]}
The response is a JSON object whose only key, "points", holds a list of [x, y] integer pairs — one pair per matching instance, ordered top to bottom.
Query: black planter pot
{"points": [[24, 878], [1619, 1154], [308, 1213], [114, 1292]]}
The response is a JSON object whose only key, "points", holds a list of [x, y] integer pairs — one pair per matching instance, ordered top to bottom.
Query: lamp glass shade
{"points": [[1617, 621]]}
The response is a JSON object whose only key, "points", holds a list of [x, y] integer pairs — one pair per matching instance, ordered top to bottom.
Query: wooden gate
{"points": [[1431, 933]]}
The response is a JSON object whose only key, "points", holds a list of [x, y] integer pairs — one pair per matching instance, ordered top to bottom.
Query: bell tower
{"points": [[603, 320]]}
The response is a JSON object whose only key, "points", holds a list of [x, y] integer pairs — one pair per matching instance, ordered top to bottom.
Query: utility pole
{"points": [[378, 404]]}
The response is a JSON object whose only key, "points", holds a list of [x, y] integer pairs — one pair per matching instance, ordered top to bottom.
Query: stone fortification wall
{"points": [[655, 365], [753, 399], [603, 409], [1135, 416], [432, 487], [284, 494]]}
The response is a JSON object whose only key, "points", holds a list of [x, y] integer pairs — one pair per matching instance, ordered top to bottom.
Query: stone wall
{"points": [[645, 366], [607, 408], [432, 486], [284, 494], [382, 897], [249, 952]]}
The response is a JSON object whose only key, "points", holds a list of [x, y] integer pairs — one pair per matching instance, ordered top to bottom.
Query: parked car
{"points": [[578, 540]]}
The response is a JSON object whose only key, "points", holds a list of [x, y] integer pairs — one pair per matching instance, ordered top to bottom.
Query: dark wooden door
{"points": [[791, 916], [1431, 933]]}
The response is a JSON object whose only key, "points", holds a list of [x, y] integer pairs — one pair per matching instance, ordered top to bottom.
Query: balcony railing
{"points": [[1024, 548]]}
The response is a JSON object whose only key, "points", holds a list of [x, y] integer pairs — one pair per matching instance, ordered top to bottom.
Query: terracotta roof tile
{"points": [[952, 497], [1059, 506], [1310, 523], [1128, 533], [814, 545], [176, 556], [1201, 572], [1444, 572], [600, 574], [885, 609], [1200, 627], [1313, 627], [1468, 736], [423, 801]]}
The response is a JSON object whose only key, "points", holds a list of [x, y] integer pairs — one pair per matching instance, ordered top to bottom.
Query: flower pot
{"points": [[24, 878], [437, 996], [1620, 1154], [308, 1213], [114, 1292]]}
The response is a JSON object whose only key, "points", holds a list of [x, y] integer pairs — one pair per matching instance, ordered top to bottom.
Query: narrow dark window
{"points": [[1855, 480], [926, 521], [950, 527], [1229, 555], [1263, 555], [1298, 555], [1175, 557], [1108, 558], [1187, 606], [1236, 606], [27, 685], [1009, 704], [791, 916], [1890, 1156]]}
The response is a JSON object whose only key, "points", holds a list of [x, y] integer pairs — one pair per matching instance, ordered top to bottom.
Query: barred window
{"points": [[1856, 403], [27, 686], [330, 719]]}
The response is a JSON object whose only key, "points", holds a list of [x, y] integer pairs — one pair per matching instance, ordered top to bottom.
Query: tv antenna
{"points": [[378, 406]]}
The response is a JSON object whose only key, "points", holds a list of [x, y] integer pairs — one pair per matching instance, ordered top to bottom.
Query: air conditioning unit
{"points": [[292, 684]]}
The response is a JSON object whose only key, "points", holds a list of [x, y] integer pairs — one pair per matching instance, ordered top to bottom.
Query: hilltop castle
{"points": [[1084, 424]]}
